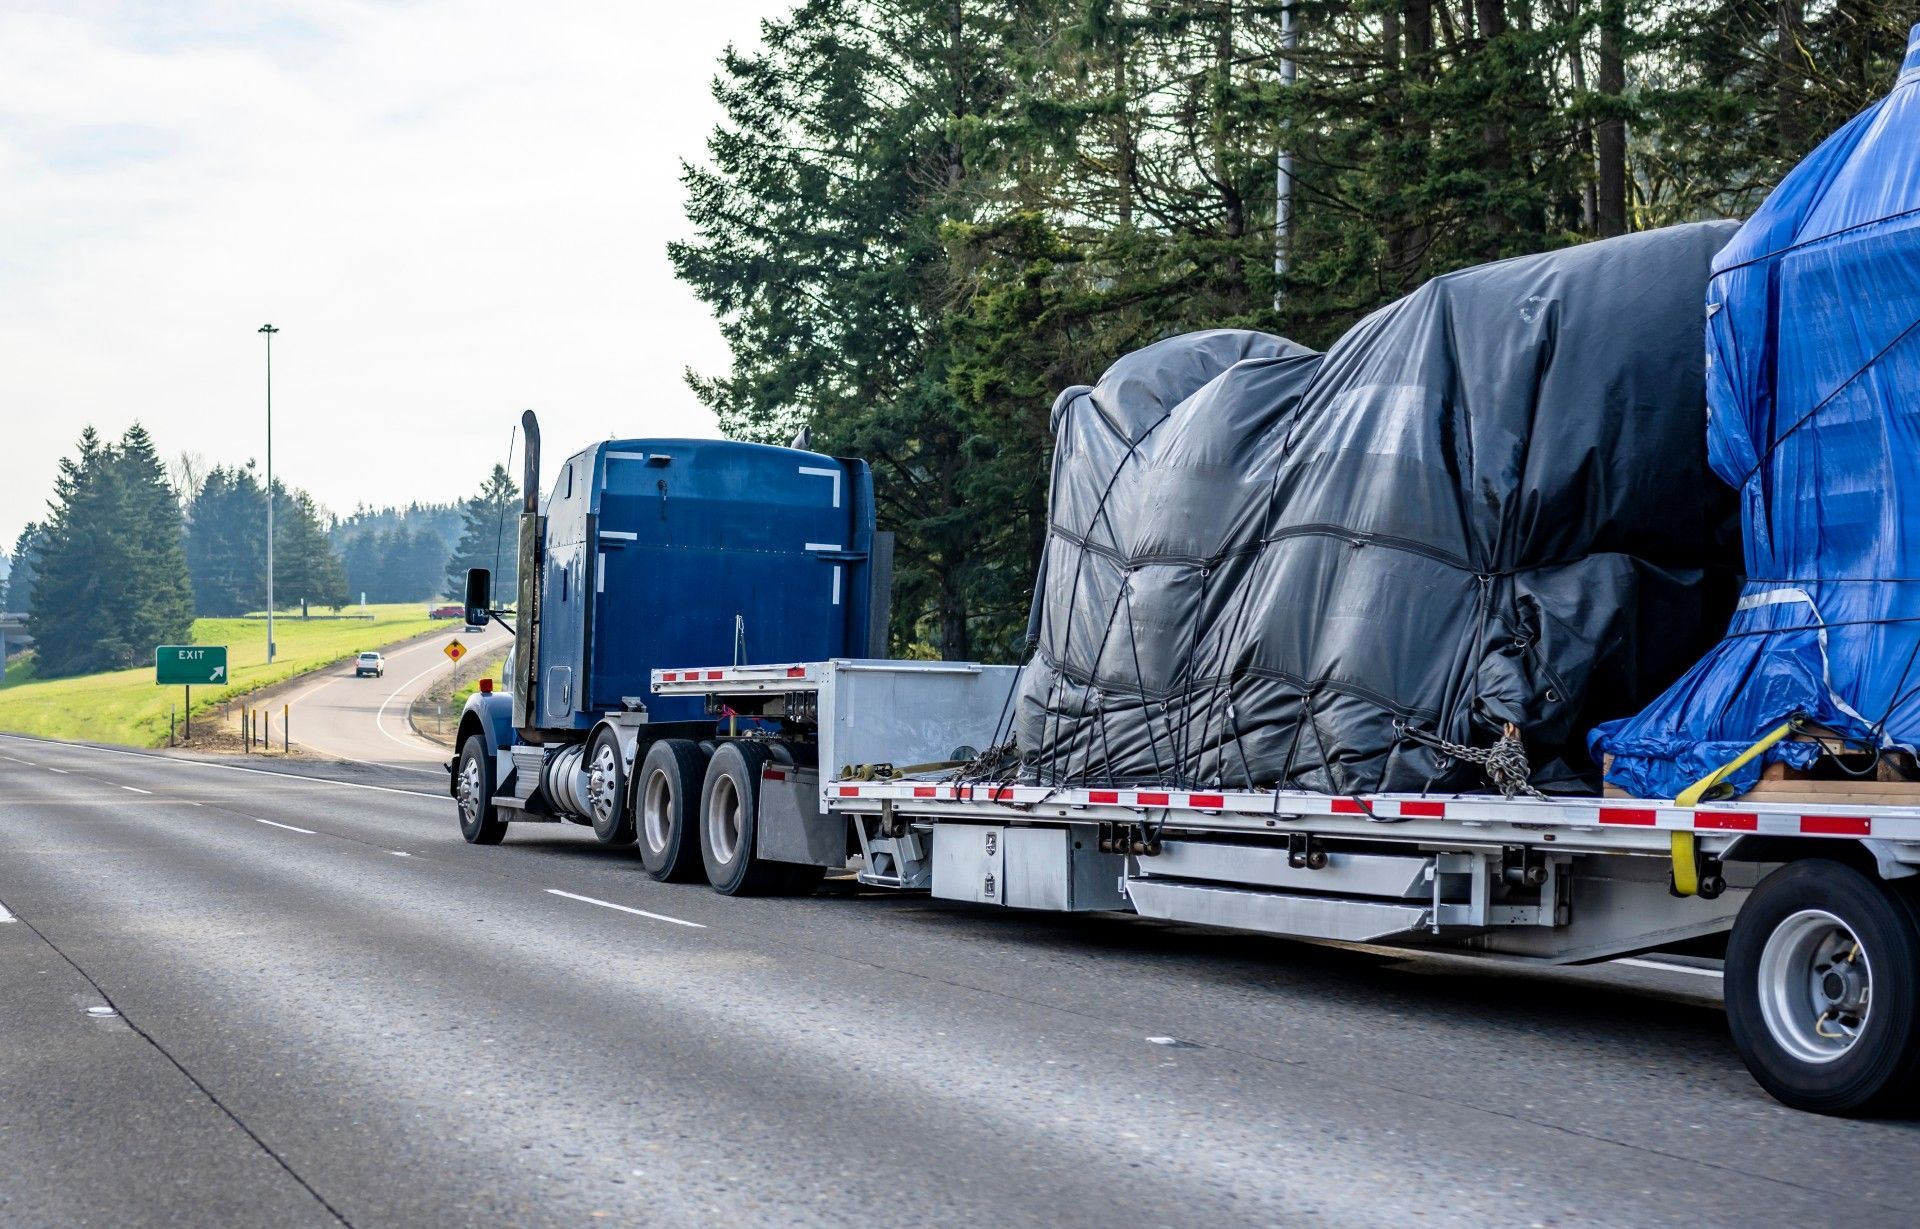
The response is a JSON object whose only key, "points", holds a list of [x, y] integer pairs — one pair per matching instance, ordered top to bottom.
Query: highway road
{"points": [[364, 720], [237, 997]]}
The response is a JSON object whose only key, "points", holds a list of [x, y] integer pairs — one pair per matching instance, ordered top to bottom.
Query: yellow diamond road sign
{"points": [[455, 650]]}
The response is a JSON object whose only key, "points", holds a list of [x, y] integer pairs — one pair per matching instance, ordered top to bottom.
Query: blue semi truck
{"points": [[646, 553], [699, 666]]}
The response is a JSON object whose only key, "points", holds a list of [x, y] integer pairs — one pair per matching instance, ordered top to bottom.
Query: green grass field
{"points": [[127, 707]]}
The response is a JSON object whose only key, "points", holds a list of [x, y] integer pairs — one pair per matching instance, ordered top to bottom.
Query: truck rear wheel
{"points": [[607, 790], [667, 810], [480, 820], [729, 823], [1823, 988]]}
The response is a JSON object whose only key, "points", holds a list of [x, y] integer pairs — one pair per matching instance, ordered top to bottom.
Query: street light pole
{"points": [[269, 330]]}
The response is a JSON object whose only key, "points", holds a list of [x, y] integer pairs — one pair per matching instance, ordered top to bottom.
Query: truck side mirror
{"points": [[479, 601]]}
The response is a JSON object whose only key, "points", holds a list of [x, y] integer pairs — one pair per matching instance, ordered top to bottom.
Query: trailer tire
{"points": [[473, 790], [606, 799], [666, 810], [729, 823], [1823, 989]]}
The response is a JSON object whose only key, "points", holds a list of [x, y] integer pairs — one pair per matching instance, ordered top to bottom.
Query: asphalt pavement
{"points": [[364, 720], [238, 994]]}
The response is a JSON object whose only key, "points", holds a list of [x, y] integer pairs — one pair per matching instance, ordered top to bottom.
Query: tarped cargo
{"points": [[1813, 338], [1487, 503]]}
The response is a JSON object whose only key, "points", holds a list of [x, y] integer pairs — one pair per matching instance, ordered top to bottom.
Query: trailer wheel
{"points": [[607, 791], [667, 810], [480, 820], [729, 822], [1823, 988]]}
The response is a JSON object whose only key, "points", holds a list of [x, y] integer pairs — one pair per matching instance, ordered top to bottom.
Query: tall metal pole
{"points": [[1283, 163], [269, 330]]}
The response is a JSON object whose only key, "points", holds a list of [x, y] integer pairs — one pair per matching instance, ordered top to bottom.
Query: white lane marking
{"points": [[416, 743], [29, 763], [61, 771], [131, 790], [289, 827], [399, 853], [607, 904], [5, 916], [1664, 967]]}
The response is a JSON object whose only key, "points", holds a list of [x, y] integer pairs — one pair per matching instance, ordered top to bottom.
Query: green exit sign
{"points": [[190, 664]]}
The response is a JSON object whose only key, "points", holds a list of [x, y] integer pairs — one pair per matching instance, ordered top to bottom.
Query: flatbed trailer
{"points": [[861, 765]]}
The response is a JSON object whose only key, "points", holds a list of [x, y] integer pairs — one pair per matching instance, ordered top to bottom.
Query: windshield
{"points": [[369, 657]]}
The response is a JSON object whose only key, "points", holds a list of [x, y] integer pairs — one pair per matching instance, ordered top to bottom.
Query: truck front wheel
{"points": [[607, 790], [667, 810], [480, 820], [729, 823], [1823, 988]]}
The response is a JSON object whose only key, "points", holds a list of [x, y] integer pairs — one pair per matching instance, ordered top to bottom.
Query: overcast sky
{"points": [[453, 211]]}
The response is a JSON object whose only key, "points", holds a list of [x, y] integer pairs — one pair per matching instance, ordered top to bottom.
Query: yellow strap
{"points": [[1692, 795], [1686, 870]]}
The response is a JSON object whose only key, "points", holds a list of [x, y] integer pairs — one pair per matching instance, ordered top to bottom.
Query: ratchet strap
{"points": [[1697, 792]]}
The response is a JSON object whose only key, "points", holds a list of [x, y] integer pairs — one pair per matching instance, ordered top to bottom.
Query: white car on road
{"points": [[369, 663]]}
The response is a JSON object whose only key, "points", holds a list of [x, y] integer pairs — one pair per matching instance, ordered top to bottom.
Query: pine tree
{"points": [[489, 538], [227, 544], [25, 561], [305, 569], [159, 595], [79, 620]]}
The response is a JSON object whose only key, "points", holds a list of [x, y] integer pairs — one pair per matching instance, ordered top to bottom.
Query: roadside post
{"points": [[183, 665]]}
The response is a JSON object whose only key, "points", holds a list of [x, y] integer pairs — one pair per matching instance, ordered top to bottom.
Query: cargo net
{"points": [[1402, 566]]}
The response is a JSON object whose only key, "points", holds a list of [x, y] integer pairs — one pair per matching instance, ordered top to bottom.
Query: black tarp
{"points": [[1488, 502]]}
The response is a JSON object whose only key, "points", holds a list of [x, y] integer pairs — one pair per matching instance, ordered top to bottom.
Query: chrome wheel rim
{"points": [[603, 780], [469, 790], [656, 811], [723, 819], [1816, 986]]}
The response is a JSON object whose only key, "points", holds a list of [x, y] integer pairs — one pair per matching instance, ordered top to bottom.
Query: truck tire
{"points": [[607, 790], [473, 791], [666, 807], [729, 815], [1823, 989]]}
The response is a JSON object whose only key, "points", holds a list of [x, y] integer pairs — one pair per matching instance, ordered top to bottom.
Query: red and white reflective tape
{"points": [[1901, 823]]}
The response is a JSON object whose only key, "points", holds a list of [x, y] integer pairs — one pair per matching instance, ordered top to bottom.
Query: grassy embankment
{"points": [[127, 707]]}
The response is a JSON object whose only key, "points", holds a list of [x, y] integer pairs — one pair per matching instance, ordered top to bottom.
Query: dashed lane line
{"points": [[132, 789], [274, 824], [607, 904]]}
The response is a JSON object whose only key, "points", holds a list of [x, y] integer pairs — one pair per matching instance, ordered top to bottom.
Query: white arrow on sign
{"points": [[219, 672]]}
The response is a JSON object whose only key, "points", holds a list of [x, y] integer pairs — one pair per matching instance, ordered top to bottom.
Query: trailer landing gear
{"points": [[1823, 988]]}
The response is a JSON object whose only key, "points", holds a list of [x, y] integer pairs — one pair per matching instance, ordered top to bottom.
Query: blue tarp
{"points": [[1813, 396]]}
